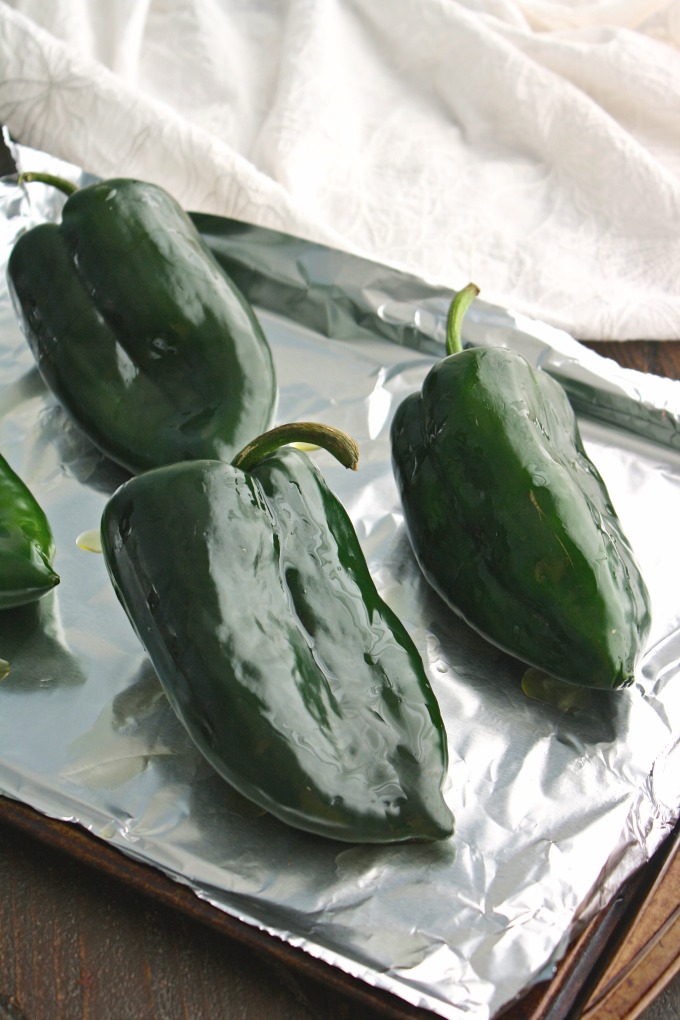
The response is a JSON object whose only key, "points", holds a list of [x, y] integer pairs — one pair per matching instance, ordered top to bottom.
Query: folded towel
{"points": [[531, 146]]}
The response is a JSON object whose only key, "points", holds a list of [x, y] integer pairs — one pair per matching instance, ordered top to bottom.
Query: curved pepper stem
{"points": [[68, 187], [454, 320], [342, 446]]}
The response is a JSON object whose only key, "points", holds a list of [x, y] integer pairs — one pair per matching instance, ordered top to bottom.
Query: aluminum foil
{"points": [[554, 806]]}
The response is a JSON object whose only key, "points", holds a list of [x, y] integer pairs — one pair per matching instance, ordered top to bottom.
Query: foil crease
{"points": [[554, 808]]}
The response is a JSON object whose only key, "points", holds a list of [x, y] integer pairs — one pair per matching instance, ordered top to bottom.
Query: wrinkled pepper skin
{"points": [[141, 336], [511, 522], [26, 544], [300, 686]]}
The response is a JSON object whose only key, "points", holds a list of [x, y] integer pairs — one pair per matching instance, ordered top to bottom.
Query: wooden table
{"points": [[86, 934]]}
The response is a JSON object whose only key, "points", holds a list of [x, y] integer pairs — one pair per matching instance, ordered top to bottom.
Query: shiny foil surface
{"points": [[555, 803]]}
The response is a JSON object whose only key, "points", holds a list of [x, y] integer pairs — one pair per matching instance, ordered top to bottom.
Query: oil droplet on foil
{"points": [[90, 540], [4, 668], [540, 686]]}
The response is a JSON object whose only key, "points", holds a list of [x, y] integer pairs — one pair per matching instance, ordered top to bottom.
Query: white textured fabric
{"points": [[532, 146]]}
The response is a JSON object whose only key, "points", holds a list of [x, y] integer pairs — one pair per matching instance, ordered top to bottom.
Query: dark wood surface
{"points": [[85, 937], [76, 943]]}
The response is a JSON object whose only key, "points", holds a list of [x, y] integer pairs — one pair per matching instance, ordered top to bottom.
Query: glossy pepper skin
{"points": [[139, 333], [511, 522], [26, 544], [251, 594]]}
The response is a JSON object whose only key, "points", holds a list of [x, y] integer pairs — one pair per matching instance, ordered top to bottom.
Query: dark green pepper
{"points": [[136, 329], [510, 520], [26, 543], [249, 590]]}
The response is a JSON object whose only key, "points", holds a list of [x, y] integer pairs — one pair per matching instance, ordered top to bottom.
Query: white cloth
{"points": [[531, 146]]}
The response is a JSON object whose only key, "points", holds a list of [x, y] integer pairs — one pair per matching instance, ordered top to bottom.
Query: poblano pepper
{"points": [[142, 337], [510, 520], [26, 543], [248, 587]]}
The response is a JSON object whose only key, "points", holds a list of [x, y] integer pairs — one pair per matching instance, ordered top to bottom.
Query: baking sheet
{"points": [[553, 808]]}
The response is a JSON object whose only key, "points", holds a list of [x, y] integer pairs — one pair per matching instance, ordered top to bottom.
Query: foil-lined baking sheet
{"points": [[555, 805]]}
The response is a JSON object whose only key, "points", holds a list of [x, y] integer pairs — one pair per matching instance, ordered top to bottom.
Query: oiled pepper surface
{"points": [[147, 343], [512, 523], [26, 543], [253, 599]]}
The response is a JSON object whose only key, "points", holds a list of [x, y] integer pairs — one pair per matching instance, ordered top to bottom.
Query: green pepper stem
{"points": [[56, 182], [454, 320], [342, 446]]}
